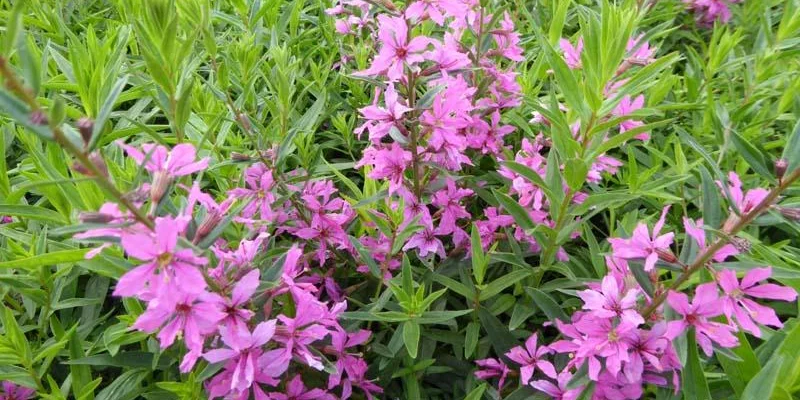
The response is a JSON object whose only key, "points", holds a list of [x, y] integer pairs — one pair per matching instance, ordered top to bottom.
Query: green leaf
{"points": [[105, 110], [18, 111], [791, 153], [754, 157], [575, 172], [712, 211], [32, 212], [519, 214], [366, 257], [52, 258], [479, 263], [499, 284], [547, 304], [411, 337], [471, 338], [501, 339], [742, 371], [694, 379], [764, 383], [477, 393]]}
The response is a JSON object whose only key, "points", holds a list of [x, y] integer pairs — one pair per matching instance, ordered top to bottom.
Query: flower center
{"points": [[164, 259]]}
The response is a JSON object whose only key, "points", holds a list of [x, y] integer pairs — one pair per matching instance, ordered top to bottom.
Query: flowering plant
{"points": [[386, 199]]}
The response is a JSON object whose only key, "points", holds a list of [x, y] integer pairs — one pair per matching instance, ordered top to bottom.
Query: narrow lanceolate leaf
{"points": [[105, 110], [750, 153], [791, 153], [32, 212], [519, 213], [478, 257], [52, 258], [547, 304], [411, 337], [741, 371], [694, 379], [763, 385]]}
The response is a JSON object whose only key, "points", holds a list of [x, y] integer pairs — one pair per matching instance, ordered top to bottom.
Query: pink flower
{"points": [[508, 40], [396, 50], [639, 51], [572, 54], [447, 56], [625, 107], [380, 120], [178, 162], [389, 163], [260, 182], [448, 200], [744, 202], [695, 230], [427, 243], [642, 245], [165, 265], [610, 302], [705, 304], [746, 311], [236, 314], [196, 315], [296, 334], [340, 342], [244, 349], [530, 358], [492, 368], [356, 376], [296, 390], [12, 391], [560, 391]]}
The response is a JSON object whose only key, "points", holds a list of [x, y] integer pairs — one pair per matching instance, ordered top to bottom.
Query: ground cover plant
{"points": [[431, 199]]}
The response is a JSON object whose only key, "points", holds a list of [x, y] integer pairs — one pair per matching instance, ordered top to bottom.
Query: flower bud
{"points": [[38, 118], [85, 127], [240, 157], [97, 160], [780, 167], [158, 189], [789, 213], [95, 218], [207, 225], [741, 244], [666, 256]]}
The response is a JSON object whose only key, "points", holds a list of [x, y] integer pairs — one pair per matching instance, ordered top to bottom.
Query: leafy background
{"points": [[719, 99]]}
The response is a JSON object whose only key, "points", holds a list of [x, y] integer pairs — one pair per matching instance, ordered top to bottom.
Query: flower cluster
{"points": [[709, 11], [439, 108], [533, 154], [206, 293], [620, 345], [11, 391]]}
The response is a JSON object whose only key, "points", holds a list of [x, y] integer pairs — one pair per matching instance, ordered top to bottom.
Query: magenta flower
{"points": [[709, 11], [507, 39], [397, 50], [639, 51], [572, 54], [447, 56], [627, 106], [380, 120], [178, 162], [389, 163], [260, 182], [448, 200], [745, 202], [695, 230], [426, 242], [643, 245], [165, 265], [610, 302], [705, 304], [746, 311], [194, 315], [236, 315], [296, 334], [603, 338], [340, 342], [244, 349], [646, 350], [530, 358], [492, 368], [356, 376], [296, 390], [11, 391], [561, 391]]}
